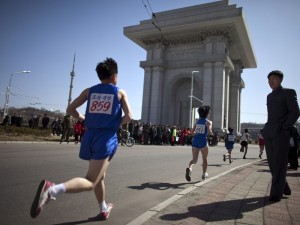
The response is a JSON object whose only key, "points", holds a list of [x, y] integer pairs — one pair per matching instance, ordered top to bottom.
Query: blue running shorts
{"points": [[199, 142], [98, 144], [229, 146]]}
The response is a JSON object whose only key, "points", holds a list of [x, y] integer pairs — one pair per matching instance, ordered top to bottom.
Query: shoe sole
{"points": [[224, 158], [187, 174], [34, 212]]}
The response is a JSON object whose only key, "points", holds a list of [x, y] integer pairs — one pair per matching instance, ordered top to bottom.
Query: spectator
{"points": [[283, 113], [5, 120], [13, 120], [19, 120], [45, 121], [56, 126], [67, 126], [130, 128], [77, 131], [82, 131], [173, 135], [261, 143]]}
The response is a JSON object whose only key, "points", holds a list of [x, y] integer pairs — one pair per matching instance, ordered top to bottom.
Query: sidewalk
{"points": [[237, 197]]}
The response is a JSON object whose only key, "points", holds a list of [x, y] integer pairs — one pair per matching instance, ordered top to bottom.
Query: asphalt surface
{"points": [[138, 179]]}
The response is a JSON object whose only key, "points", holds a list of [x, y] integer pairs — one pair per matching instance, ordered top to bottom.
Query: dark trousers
{"points": [[65, 134], [76, 135], [277, 150], [293, 157]]}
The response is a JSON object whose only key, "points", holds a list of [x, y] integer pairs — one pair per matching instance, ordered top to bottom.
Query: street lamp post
{"points": [[191, 99], [5, 108]]}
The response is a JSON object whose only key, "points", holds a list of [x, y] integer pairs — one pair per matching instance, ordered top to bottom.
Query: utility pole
{"points": [[72, 74], [8, 92], [191, 100]]}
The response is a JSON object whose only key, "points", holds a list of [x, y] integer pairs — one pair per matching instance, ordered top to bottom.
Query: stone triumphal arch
{"points": [[211, 39]]}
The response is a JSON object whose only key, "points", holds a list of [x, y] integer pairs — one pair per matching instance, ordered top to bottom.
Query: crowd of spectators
{"points": [[14, 120], [33, 122], [64, 128], [143, 133], [150, 134]]}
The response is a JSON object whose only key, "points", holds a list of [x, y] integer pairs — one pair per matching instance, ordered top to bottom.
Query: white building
{"points": [[210, 38]]}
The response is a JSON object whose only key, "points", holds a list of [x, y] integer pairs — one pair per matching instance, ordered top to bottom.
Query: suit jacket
{"points": [[283, 112]]}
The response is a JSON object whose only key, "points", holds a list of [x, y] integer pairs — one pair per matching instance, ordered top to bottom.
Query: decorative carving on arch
{"points": [[191, 37]]}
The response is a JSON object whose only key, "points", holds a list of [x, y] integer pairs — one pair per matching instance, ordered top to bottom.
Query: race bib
{"points": [[101, 103], [200, 129], [231, 138]]}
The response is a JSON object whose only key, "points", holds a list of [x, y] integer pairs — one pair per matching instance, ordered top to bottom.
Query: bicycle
{"points": [[126, 139]]}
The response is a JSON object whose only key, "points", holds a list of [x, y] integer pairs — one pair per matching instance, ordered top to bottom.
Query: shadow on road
{"points": [[293, 174], [160, 186], [220, 211], [89, 220]]}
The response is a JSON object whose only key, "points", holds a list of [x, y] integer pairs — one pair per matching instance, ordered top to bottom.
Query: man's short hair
{"points": [[106, 68], [277, 73], [203, 111]]}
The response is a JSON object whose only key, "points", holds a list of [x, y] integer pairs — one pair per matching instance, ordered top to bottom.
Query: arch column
{"points": [[207, 84], [146, 94], [156, 95], [218, 96], [227, 99], [235, 100]]}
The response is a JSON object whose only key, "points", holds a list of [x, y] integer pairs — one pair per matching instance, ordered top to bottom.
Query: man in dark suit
{"points": [[283, 112]]}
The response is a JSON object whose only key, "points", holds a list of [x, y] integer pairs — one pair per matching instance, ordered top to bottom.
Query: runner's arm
{"points": [[79, 101], [125, 106], [209, 127], [193, 130]]}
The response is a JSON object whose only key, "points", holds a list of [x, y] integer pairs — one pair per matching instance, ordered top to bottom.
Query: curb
{"points": [[156, 209]]}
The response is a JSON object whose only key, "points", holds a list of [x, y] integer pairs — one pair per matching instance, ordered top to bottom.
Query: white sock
{"points": [[57, 189], [103, 206]]}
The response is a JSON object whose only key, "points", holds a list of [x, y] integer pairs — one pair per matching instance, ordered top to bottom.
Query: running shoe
{"points": [[224, 158], [230, 161], [188, 174], [205, 176], [42, 197], [105, 214]]}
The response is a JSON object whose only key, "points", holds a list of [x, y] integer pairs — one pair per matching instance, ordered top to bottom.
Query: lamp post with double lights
{"points": [[191, 99], [5, 110]]}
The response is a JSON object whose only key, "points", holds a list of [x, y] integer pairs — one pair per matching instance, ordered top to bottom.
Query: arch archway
{"points": [[180, 91]]}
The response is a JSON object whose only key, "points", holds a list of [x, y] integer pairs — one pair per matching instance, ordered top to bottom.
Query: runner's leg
{"points": [[195, 152], [204, 152], [95, 172]]}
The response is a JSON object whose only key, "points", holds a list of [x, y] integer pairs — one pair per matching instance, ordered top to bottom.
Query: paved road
{"points": [[138, 179]]}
